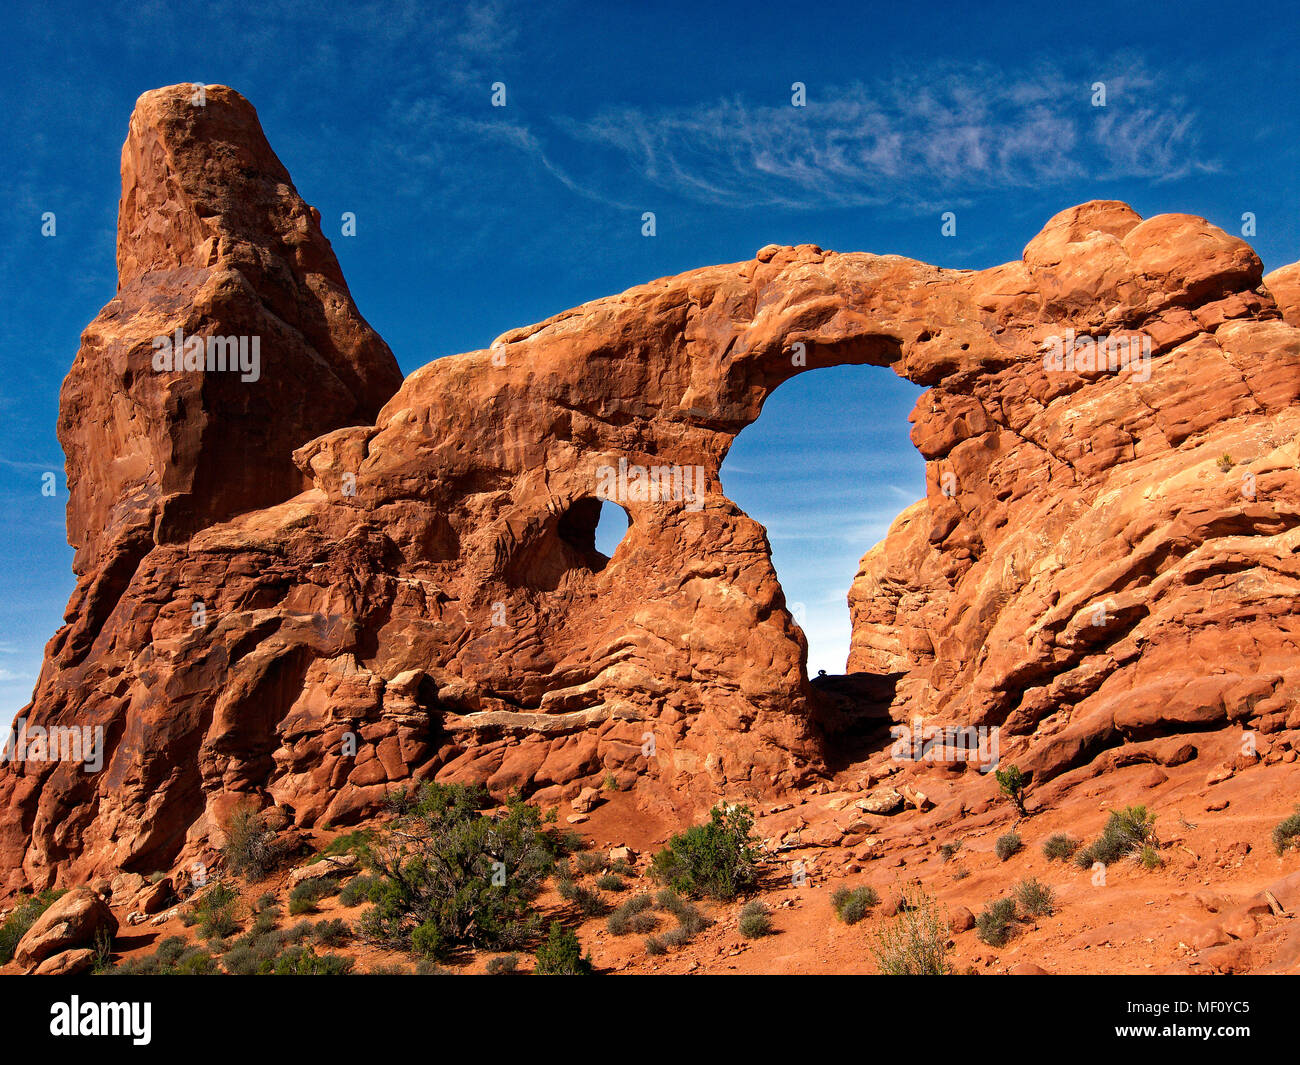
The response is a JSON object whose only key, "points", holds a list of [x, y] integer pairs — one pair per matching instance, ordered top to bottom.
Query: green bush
{"points": [[1013, 783], [1126, 831], [1287, 833], [356, 842], [1008, 845], [1060, 847], [252, 850], [718, 859], [589, 862], [445, 866], [611, 882], [361, 889], [303, 898], [1035, 899], [589, 903], [851, 905], [215, 911], [633, 916], [22, 918], [690, 921], [755, 921], [994, 924], [332, 933], [428, 940], [915, 943], [561, 954], [173, 957], [303, 961], [503, 965]]}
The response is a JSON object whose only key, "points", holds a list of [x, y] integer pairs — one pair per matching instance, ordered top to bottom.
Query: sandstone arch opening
{"points": [[826, 468], [611, 528], [564, 547]]}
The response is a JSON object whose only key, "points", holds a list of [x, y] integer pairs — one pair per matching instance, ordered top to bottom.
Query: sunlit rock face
{"points": [[291, 596]]}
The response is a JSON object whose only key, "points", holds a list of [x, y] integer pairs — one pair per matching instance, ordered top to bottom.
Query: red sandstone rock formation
{"points": [[423, 598]]}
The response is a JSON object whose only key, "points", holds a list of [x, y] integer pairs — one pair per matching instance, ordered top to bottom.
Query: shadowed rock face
{"points": [[418, 594]]}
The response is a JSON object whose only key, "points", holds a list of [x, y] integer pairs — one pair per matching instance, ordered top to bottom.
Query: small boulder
{"points": [[586, 801], [881, 801], [334, 865], [154, 897], [71, 921], [66, 963]]}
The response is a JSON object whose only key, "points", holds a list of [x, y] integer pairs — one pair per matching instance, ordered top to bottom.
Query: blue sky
{"points": [[473, 219]]}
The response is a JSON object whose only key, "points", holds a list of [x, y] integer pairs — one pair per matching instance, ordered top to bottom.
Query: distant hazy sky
{"points": [[474, 219]]}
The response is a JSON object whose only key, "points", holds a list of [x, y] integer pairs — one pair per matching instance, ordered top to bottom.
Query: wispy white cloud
{"points": [[902, 139]]}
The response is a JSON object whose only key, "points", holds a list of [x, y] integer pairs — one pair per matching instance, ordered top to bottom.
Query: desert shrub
{"points": [[1225, 462], [1013, 782], [1126, 831], [1287, 833], [356, 842], [1008, 845], [1059, 847], [252, 849], [947, 851], [1149, 857], [718, 859], [588, 862], [446, 866], [960, 873], [611, 882], [361, 889], [304, 897], [1035, 899], [589, 903], [852, 904], [215, 911], [632, 916], [689, 918], [21, 919], [755, 921], [994, 924], [333, 933], [676, 937], [429, 941], [914, 943], [655, 946], [103, 947], [255, 954], [561, 954], [173, 957], [303, 961], [503, 965], [388, 970]]}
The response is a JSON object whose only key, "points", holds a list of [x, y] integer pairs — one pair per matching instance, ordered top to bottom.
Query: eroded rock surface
{"points": [[420, 595]]}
